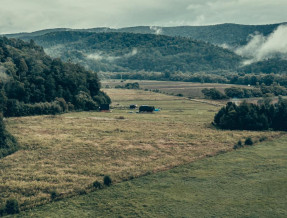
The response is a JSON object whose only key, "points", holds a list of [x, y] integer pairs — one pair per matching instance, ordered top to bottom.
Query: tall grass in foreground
{"points": [[249, 182]]}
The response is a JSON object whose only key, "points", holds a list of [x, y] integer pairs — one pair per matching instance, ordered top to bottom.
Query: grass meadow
{"points": [[187, 89], [66, 153], [249, 182]]}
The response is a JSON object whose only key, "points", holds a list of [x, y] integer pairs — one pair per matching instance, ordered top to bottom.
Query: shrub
{"points": [[213, 94], [84, 101], [63, 104], [71, 107], [263, 138], [248, 141], [238, 145], [107, 180], [97, 185], [54, 194], [12, 206]]}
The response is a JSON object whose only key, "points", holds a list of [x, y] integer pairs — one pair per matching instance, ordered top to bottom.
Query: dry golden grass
{"points": [[67, 153]]}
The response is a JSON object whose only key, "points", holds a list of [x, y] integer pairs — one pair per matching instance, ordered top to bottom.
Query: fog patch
{"points": [[157, 30], [225, 46], [261, 47], [55, 51], [101, 56], [4, 77]]}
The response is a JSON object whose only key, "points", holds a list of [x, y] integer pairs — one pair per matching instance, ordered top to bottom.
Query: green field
{"points": [[187, 89], [67, 153], [250, 182]]}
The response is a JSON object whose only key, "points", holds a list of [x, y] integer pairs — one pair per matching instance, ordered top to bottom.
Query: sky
{"points": [[31, 15]]}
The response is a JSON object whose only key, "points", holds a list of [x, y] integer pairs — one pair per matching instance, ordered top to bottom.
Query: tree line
{"points": [[224, 77], [237, 92], [248, 116]]}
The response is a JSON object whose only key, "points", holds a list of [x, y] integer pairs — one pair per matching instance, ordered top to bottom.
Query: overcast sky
{"points": [[31, 15]]}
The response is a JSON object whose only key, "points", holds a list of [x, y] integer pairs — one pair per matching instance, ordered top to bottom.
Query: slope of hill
{"points": [[230, 34], [122, 52], [267, 66]]}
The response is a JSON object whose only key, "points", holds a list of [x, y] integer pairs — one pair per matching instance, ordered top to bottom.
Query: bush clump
{"points": [[213, 94], [263, 138], [248, 141], [238, 145], [107, 180], [97, 185], [54, 194], [12, 206]]}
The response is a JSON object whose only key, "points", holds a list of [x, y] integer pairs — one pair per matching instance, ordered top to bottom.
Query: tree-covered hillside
{"points": [[123, 52], [267, 66], [34, 83]]}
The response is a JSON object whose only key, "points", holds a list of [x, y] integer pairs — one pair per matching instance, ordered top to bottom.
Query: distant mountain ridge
{"points": [[228, 33], [77, 45]]}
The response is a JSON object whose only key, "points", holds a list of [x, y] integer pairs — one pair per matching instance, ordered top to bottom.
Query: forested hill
{"points": [[231, 34], [122, 52], [31, 82]]}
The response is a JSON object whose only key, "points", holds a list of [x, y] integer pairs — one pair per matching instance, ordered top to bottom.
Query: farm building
{"points": [[133, 106], [104, 107], [146, 108]]}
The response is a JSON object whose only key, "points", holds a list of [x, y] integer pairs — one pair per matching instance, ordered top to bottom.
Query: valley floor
{"points": [[65, 154], [249, 182]]}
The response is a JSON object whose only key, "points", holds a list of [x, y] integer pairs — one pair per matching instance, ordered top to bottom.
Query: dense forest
{"points": [[133, 49], [128, 52], [267, 66], [29, 76], [32, 83], [249, 116]]}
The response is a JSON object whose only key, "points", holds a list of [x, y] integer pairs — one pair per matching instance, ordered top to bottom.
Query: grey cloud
{"points": [[31, 15], [261, 47]]}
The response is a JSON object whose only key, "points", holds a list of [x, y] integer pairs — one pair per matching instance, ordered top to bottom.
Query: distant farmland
{"points": [[187, 89]]}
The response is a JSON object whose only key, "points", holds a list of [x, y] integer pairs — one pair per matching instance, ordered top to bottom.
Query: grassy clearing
{"points": [[188, 89], [67, 153], [250, 182]]}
